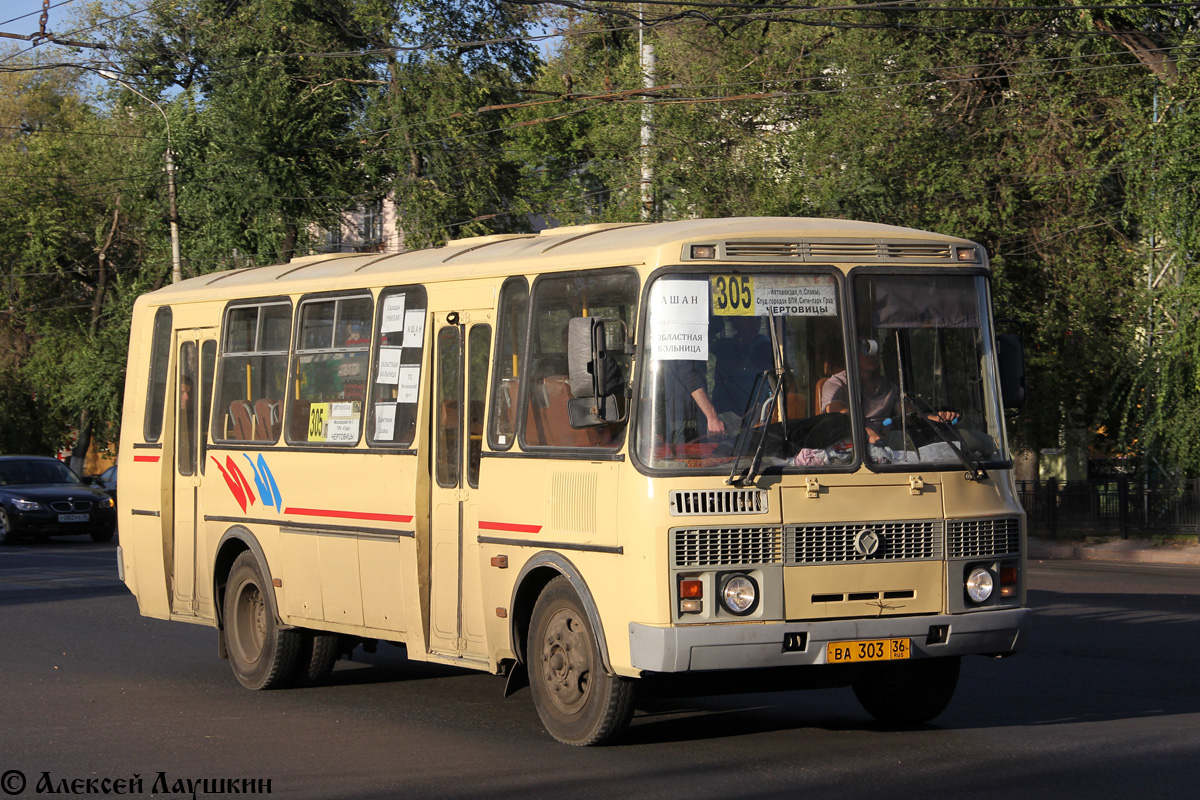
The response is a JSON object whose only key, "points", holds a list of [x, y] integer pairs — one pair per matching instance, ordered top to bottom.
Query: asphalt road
{"points": [[1104, 702]]}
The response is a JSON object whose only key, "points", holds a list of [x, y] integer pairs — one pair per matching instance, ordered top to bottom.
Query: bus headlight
{"points": [[979, 584], [739, 594]]}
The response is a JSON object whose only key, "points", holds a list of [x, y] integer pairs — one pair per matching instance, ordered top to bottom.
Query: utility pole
{"points": [[647, 60], [176, 258]]}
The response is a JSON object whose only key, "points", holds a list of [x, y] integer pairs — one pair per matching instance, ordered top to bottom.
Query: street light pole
{"points": [[176, 258]]}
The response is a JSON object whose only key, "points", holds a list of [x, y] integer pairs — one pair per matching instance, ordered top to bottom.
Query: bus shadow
{"points": [[1089, 658]]}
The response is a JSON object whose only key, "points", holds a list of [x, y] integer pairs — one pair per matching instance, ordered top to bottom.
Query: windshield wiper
{"points": [[774, 379], [766, 411], [975, 470]]}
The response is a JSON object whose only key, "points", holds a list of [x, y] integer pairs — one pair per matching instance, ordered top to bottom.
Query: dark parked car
{"points": [[107, 482], [40, 497]]}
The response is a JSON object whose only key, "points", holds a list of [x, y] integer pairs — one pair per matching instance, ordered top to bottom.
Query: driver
{"points": [[880, 397]]}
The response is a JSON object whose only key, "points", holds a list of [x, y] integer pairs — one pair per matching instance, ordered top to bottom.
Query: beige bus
{"points": [[592, 458]]}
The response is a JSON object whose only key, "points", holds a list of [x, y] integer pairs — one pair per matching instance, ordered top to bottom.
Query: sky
{"points": [[30, 12]]}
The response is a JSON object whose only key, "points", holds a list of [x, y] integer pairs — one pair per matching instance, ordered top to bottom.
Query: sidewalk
{"points": [[1138, 551]]}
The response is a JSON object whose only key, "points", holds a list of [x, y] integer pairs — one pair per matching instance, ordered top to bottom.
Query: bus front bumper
{"points": [[731, 645]]}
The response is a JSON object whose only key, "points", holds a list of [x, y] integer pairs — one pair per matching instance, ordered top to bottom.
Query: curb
{"points": [[1155, 555]]}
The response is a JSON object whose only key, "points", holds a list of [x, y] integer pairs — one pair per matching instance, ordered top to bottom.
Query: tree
{"points": [[73, 241]]}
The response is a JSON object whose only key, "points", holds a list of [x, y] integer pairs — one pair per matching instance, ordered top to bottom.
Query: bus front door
{"points": [[462, 349], [197, 351]]}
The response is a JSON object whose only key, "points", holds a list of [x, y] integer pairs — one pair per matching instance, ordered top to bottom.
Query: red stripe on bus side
{"points": [[146, 458], [324, 512], [509, 526]]}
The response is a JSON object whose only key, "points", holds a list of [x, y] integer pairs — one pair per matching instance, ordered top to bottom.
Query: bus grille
{"points": [[718, 501], [971, 538], [865, 541], [711, 547]]}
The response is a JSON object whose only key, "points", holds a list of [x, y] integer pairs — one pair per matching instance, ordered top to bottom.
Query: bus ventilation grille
{"points": [[749, 250], [718, 501], [972, 538], [918, 540], [714, 547]]}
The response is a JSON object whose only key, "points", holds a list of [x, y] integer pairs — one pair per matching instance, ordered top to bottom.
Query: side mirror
{"points": [[1010, 355], [595, 377]]}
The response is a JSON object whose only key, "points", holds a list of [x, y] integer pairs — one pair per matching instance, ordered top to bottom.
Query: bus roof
{"points": [[741, 239]]}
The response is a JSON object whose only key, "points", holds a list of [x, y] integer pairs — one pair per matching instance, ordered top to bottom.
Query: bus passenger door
{"points": [[462, 345], [197, 351]]}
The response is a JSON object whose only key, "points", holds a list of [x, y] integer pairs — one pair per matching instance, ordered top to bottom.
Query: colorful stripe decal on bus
{"points": [[146, 458], [236, 481], [265, 481], [364, 515], [512, 527]]}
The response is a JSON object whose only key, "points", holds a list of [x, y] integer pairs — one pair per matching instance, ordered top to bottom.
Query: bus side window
{"points": [[608, 294], [479, 345], [510, 347], [160, 355], [252, 370], [330, 370], [395, 382]]}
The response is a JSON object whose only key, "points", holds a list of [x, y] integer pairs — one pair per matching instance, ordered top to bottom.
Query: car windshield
{"points": [[748, 372], [18, 472]]}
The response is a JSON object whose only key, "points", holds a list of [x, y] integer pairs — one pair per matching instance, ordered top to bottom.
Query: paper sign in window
{"points": [[393, 314], [679, 320], [414, 327], [389, 366], [409, 379], [385, 421]]}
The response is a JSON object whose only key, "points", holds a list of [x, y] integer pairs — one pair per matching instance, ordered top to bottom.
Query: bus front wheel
{"points": [[262, 655], [907, 692], [578, 702]]}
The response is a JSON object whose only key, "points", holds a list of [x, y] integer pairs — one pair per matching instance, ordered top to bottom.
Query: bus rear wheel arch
{"points": [[578, 701]]}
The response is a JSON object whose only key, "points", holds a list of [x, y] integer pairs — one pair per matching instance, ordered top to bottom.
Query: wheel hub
{"points": [[567, 661]]}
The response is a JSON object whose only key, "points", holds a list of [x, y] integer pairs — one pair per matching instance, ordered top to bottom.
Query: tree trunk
{"points": [[82, 442]]}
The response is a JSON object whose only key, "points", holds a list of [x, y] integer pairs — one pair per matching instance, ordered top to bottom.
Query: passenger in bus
{"points": [[739, 360], [686, 391], [186, 420]]}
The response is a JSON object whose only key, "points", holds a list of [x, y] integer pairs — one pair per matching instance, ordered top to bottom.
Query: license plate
{"points": [[72, 517], [868, 650]]}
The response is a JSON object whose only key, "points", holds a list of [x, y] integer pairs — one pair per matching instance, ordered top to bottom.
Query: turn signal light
{"points": [[1008, 581], [690, 594]]}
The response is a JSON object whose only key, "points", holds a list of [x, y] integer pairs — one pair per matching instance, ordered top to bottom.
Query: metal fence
{"points": [[1119, 506]]}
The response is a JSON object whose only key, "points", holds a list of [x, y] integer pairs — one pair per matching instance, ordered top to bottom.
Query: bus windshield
{"points": [[750, 371]]}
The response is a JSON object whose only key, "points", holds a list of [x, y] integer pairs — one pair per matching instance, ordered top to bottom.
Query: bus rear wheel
{"points": [[262, 655], [317, 656], [907, 692], [578, 702]]}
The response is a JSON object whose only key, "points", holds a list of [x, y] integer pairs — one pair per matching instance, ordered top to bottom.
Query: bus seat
{"points": [[266, 417], [558, 423], [243, 426]]}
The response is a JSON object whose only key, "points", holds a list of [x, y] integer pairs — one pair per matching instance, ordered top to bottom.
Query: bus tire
{"points": [[102, 535], [262, 655], [317, 656], [907, 692], [578, 702]]}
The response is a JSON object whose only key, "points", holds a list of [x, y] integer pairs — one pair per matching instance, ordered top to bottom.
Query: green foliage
{"points": [[1063, 139], [451, 169], [73, 243]]}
